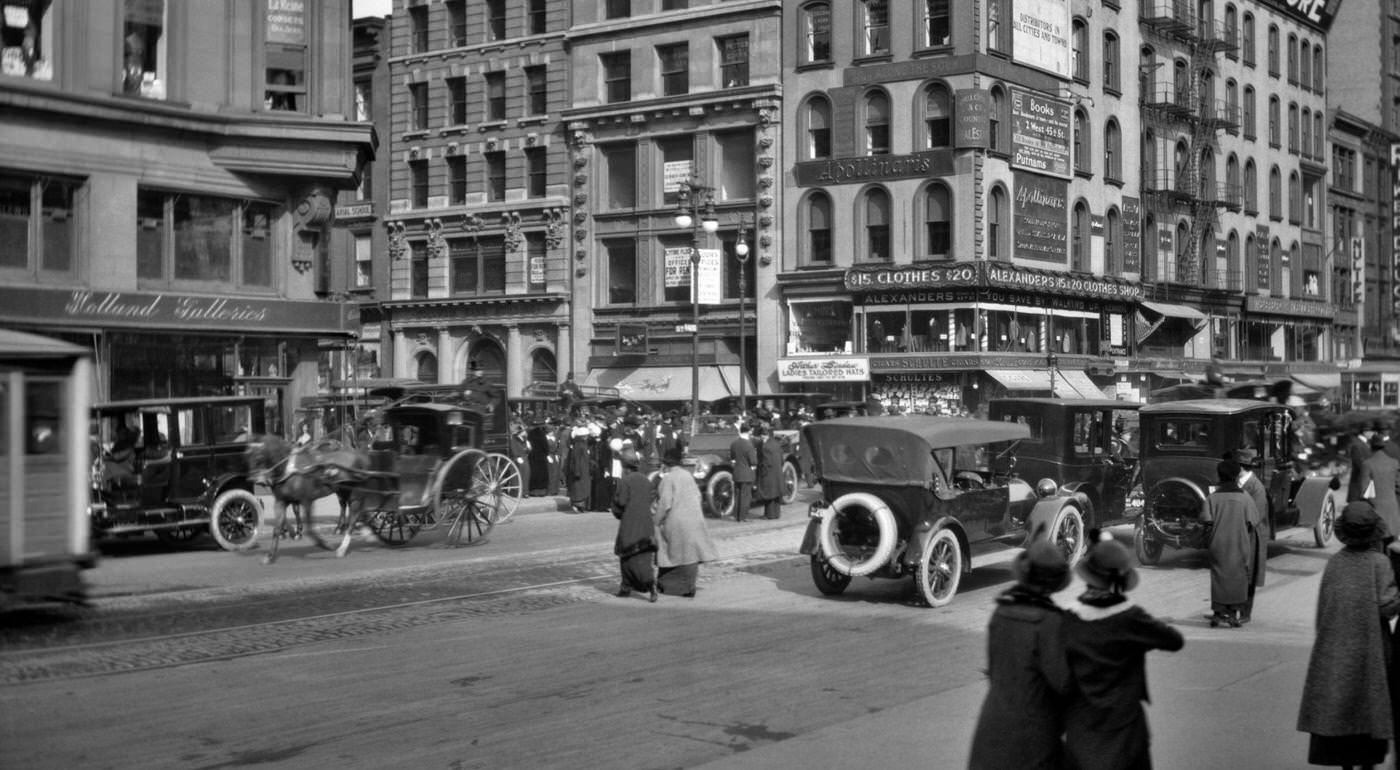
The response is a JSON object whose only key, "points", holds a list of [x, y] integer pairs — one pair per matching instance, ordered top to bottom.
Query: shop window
{"points": [[938, 23], [816, 33], [26, 39], [144, 59], [733, 60], [674, 64], [617, 76], [938, 117], [817, 118], [877, 124], [677, 163], [737, 164], [620, 171], [818, 226], [37, 228], [204, 239], [478, 266], [622, 271], [819, 328], [885, 330]]}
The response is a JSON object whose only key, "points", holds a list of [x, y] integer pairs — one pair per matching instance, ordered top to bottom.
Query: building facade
{"points": [[169, 186], [478, 256]]}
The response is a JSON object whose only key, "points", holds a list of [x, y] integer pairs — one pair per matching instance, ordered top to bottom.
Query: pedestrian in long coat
{"points": [[1358, 450], [520, 451], [743, 459], [579, 470], [1382, 472], [769, 486], [1227, 514], [1259, 526], [683, 543], [635, 545], [1107, 638], [1028, 675], [1346, 706]]}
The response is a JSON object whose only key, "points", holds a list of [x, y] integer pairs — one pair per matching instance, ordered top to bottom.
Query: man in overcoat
{"points": [[1358, 451], [743, 458], [1380, 476], [769, 479], [1227, 514], [1259, 526]]}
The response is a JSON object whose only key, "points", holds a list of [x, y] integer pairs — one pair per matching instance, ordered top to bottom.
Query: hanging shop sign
{"points": [[1040, 134], [1042, 221], [163, 310], [824, 370]]}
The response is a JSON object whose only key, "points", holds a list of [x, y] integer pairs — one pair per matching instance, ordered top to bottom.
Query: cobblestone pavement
{"points": [[272, 617]]}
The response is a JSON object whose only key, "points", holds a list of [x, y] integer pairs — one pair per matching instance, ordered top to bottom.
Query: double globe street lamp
{"points": [[695, 208]]}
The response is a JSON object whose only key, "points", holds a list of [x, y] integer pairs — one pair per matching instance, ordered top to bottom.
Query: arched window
{"points": [[1232, 31], [816, 33], [1247, 38], [1079, 49], [1273, 50], [1292, 58], [1304, 64], [1112, 66], [1317, 69], [1147, 74], [1181, 83], [1206, 96], [1232, 105], [938, 117], [816, 118], [998, 122], [877, 123], [1306, 124], [1292, 126], [1250, 128], [1275, 134], [1318, 135], [1081, 142], [1112, 150], [1148, 160], [1181, 171], [1207, 174], [1251, 187], [1233, 189], [1275, 193], [1295, 198], [875, 216], [938, 222], [818, 223], [998, 225], [1079, 237], [1113, 242], [1148, 247], [1205, 254], [1251, 262], [1293, 262], [1276, 268], [1233, 269], [1181, 271], [490, 359], [427, 367], [543, 367]]}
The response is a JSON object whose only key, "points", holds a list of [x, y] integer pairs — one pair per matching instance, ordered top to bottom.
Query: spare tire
{"points": [[859, 535]]}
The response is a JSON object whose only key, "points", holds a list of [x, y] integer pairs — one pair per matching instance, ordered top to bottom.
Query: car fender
{"points": [[226, 481], [1311, 493], [1087, 507], [1043, 515], [923, 533], [809, 538]]}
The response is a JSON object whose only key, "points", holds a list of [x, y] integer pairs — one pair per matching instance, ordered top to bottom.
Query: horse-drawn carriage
{"points": [[425, 468]]}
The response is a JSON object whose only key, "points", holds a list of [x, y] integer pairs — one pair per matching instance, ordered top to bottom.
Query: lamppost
{"points": [[695, 208], [741, 252]]}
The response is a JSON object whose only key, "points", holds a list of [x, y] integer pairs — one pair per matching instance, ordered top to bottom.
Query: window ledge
{"points": [[934, 50], [873, 58], [816, 65], [1113, 91], [531, 120], [491, 125], [450, 130], [409, 136], [1083, 173], [1113, 180]]}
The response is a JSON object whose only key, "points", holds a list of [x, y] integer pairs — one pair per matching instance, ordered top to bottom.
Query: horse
{"points": [[298, 476]]}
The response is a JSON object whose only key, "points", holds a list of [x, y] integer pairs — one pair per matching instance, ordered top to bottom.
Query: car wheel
{"points": [[790, 479], [719, 493], [234, 520], [1326, 520], [1067, 533], [176, 536], [858, 536], [1147, 548], [941, 568], [826, 578]]}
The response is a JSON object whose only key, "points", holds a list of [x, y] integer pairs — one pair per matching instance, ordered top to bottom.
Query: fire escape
{"points": [[1183, 116]]}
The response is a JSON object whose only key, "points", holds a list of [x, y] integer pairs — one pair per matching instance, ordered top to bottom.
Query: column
{"points": [[564, 353], [401, 356], [514, 361], [446, 371]]}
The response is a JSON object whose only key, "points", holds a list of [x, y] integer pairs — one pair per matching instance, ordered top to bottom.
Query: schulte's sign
{"points": [[823, 370]]}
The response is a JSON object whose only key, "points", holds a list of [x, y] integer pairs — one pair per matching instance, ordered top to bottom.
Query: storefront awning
{"points": [[1169, 310], [1320, 380], [668, 383], [1067, 383]]}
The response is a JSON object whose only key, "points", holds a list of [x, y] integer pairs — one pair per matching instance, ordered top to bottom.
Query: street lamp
{"points": [[695, 208], [741, 252]]}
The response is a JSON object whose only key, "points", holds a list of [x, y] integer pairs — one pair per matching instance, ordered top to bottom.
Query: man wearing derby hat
{"points": [[1227, 515], [1259, 525], [1107, 638], [1027, 670], [1346, 707]]}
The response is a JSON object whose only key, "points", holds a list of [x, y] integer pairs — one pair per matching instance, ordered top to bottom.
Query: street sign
{"points": [[691, 328]]}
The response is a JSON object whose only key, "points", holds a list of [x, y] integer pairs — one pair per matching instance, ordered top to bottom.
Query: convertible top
{"points": [[1208, 406], [896, 450]]}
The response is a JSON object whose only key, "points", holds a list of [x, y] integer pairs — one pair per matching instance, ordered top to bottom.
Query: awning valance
{"points": [[1175, 311], [1320, 380], [668, 383], [1065, 383]]}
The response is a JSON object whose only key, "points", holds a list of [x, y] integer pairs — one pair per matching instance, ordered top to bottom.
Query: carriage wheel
{"points": [[498, 485], [461, 497], [472, 519], [326, 528], [395, 528]]}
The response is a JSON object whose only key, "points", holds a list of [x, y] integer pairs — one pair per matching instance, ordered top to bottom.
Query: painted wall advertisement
{"points": [[286, 21], [1040, 35], [973, 111], [1040, 134], [1042, 221], [1132, 235], [1261, 240], [824, 370]]}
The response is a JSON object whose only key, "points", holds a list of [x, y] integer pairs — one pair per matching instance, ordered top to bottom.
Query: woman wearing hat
{"points": [[1380, 482], [682, 542], [635, 545], [1108, 637], [1028, 675], [1346, 707]]}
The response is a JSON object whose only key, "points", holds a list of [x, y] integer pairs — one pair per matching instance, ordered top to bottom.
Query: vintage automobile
{"points": [[1075, 442], [1181, 444], [707, 459], [187, 473], [912, 495]]}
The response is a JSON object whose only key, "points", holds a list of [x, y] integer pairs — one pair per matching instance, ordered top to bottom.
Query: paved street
{"points": [[533, 663]]}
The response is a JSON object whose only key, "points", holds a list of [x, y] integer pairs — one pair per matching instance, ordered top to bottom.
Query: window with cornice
{"points": [[875, 23], [816, 33]]}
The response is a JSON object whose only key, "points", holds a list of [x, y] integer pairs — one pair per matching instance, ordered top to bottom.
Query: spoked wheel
{"points": [[790, 480], [497, 484], [719, 493], [463, 496], [472, 519], [234, 520], [1326, 521], [395, 528], [1067, 533], [1147, 548], [940, 571], [826, 578]]}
